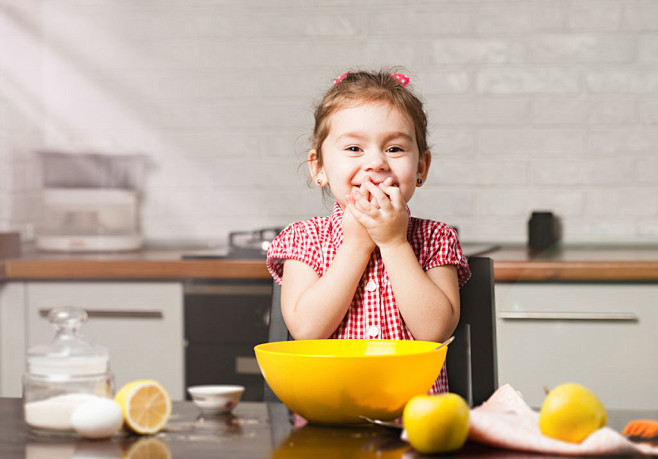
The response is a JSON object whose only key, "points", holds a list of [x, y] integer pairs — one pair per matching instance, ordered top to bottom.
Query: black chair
{"points": [[471, 358]]}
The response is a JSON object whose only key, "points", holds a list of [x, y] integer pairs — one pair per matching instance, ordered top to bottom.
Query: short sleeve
{"points": [[298, 241], [444, 249]]}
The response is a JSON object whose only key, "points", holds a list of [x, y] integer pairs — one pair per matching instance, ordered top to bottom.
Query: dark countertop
{"points": [[511, 263], [254, 430]]}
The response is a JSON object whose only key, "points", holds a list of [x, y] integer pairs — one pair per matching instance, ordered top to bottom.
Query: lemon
{"points": [[145, 404], [571, 412], [436, 423], [148, 448]]}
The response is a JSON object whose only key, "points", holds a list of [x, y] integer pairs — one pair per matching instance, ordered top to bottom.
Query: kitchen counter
{"points": [[511, 263], [578, 263], [147, 264], [254, 430]]}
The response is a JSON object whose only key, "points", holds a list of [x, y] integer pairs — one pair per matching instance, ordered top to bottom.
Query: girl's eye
{"points": [[353, 148], [395, 150]]}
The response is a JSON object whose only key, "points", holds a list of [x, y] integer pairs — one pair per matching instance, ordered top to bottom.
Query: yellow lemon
{"points": [[146, 405], [571, 412], [436, 423], [148, 448]]}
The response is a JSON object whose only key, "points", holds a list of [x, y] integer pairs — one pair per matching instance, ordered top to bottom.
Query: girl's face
{"points": [[374, 140]]}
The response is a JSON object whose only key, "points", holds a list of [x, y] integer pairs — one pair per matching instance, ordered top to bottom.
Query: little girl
{"points": [[370, 270]]}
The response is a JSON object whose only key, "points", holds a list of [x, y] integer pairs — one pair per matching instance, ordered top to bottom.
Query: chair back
{"points": [[471, 357], [471, 360]]}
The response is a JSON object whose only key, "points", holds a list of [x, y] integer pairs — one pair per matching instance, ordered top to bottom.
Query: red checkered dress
{"points": [[373, 313]]}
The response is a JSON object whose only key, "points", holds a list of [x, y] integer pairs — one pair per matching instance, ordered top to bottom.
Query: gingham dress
{"points": [[373, 313]]}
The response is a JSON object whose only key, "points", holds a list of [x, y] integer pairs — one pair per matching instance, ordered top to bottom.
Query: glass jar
{"points": [[63, 374]]}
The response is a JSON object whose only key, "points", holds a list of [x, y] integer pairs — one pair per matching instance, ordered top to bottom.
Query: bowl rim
{"points": [[263, 348], [215, 389]]}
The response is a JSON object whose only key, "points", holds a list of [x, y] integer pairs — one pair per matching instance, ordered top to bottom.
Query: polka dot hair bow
{"points": [[399, 77], [340, 78]]}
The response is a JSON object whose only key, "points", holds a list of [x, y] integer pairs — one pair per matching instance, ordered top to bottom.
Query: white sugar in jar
{"points": [[63, 374]]}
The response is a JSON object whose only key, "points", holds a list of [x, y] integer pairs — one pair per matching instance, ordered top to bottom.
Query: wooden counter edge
{"points": [[132, 269], [504, 270], [547, 271]]}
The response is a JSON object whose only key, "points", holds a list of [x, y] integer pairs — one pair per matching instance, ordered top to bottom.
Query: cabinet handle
{"points": [[214, 289], [115, 314], [586, 316], [247, 366]]}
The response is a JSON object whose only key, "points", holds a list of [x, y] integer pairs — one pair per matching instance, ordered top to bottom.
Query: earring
{"points": [[319, 182], [419, 182]]}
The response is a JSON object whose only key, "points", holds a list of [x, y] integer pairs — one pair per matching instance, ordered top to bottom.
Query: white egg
{"points": [[97, 418]]}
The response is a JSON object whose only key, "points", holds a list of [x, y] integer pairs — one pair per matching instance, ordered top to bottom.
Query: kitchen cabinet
{"points": [[141, 323], [601, 335], [12, 338]]}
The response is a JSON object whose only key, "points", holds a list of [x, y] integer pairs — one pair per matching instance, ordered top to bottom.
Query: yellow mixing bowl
{"points": [[335, 381]]}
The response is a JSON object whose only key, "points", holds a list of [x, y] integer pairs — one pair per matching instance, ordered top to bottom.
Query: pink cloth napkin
{"points": [[506, 421]]}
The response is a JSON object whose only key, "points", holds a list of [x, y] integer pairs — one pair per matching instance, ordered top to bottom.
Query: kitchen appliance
{"points": [[90, 202], [89, 219], [543, 230], [251, 244], [241, 245], [224, 319]]}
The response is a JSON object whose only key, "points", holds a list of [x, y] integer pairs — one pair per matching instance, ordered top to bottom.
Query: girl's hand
{"points": [[384, 215], [353, 230]]}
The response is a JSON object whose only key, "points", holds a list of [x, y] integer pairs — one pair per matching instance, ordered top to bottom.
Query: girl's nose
{"points": [[375, 160]]}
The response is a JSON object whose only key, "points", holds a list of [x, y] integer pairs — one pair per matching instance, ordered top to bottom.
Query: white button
{"points": [[371, 286], [373, 331]]}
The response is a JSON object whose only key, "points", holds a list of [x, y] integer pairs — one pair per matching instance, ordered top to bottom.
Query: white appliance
{"points": [[89, 220]]}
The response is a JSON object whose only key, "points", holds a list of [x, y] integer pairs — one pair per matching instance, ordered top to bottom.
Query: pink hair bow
{"points": [[399, 77], [340, 78]]}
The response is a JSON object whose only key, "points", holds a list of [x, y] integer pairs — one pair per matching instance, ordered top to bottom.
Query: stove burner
{"points": [[251, 244]]}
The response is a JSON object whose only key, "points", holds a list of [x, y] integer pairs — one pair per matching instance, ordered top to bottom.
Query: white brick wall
{"points": [[533, 104]]}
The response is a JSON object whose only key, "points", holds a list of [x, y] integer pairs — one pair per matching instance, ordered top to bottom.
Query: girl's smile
{"points": [[372, 141]]}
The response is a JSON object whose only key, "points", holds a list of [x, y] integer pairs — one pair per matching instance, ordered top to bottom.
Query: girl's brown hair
{"points": [[364, 87]]}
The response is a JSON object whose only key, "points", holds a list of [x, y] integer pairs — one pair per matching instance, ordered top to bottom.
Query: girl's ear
{"points": [[424, 165], [317, 173]]}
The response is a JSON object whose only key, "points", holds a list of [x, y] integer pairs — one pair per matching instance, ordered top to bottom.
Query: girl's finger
{"points": [[374, 190], [364, 191], [395, 196], [360, 200], [383, 201], [360, 216]]}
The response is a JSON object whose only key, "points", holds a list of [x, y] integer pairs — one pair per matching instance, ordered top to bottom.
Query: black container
{"points": [[543, 231]]}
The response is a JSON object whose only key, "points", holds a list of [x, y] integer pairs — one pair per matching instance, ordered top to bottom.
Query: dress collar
{"points": [[336, 220]]}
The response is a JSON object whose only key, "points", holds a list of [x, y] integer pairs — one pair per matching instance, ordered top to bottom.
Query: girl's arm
{"points": [[428, 301], [312, 306]]}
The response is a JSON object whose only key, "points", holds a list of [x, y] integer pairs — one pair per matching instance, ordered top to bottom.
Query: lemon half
{"points": [[146, 405]]}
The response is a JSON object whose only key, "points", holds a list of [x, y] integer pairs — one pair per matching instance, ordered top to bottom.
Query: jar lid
{"points": [[68, 354]]}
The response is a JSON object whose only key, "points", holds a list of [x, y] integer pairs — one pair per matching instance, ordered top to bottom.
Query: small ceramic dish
{"points": [[218, 399]]}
